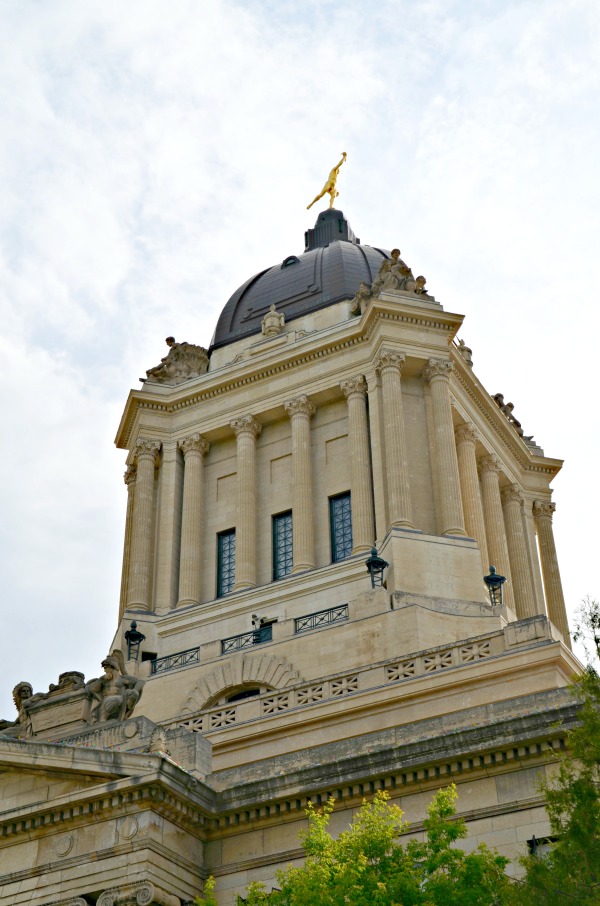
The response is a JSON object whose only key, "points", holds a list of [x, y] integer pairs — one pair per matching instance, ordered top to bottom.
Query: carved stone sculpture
{"points": [[361, 299], [272, 323], [465, 351], [182, 362], [507, 409], [68, 682], [114, 695], [22, 696], [158, 742]]}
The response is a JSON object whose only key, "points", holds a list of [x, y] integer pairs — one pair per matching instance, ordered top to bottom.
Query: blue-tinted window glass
{"points": [[340, 520], [282, 545], [225, 562]]}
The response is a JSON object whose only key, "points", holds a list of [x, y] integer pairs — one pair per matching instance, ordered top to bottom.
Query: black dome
{"points": [[330, 270]]}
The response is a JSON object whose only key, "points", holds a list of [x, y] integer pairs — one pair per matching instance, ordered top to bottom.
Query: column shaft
{"points": [[389, 366], [355, 391], [300, 411], [246, 430], [466, 438], [194, 448], [129, 478], [512, 498], [452, 522], [494, 524], [140, 571], [555, 601]]}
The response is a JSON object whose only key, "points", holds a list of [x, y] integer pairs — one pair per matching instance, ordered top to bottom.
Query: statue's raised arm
{"points": [[329, 186]]}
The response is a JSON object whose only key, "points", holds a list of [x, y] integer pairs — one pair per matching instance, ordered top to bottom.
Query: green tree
{"points": [[368, 866], [570, 872]]}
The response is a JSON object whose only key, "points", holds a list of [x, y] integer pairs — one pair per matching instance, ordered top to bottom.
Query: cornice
{"points": [[240, 374], [500, 425], [401, 769], [185, 803]]}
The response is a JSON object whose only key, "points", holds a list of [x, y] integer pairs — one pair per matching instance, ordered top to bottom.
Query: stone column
{"points": [[389, 366], [355, 390], [300, 411], [246, 430], [466, 438], [194, 449], [129, 479], [512, 499], [542, 511], [452, 521], [494, 524], [140, 571]]}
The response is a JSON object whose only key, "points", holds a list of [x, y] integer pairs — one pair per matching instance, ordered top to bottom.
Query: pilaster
{"points": [[389, 367], [437, 374], [355, 389], [300, 411], [246, 430], [466, 439], [194, 448], [146, 457], [129, 479], [512, 499], [543, 512], [494, 523]]}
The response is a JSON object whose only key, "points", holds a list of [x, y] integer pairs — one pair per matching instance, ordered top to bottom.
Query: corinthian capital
{"points": [[389, 359], [438, 368], [354, 385], [301, 405], [246, 424], [466, 434], [193, 443], [146, 449], [489, 464], [130, 475], [513, 493], [543, 509]]}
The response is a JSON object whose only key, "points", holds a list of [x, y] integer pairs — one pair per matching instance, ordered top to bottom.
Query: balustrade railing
{"points": [[321, 618], [247, 639], [173, 661]]}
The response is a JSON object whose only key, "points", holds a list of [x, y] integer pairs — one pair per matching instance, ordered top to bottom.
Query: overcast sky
{"points": [[154, 155]]}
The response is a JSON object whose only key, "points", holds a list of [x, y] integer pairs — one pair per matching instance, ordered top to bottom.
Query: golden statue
{"points": [[330, 184]]}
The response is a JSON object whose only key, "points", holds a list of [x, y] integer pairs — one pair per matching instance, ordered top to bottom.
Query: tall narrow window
{"points": [[340, 522], [282, 545], [225, 562]]}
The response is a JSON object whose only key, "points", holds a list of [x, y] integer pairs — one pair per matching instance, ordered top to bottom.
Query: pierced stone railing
{"points": [[407, 668]]}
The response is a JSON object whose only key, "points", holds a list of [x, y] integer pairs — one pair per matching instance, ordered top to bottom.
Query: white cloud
{"points": [[156, 154]]}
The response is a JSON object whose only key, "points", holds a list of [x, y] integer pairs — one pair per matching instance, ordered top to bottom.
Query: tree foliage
{"points": [[367, 865], [570, 873]]}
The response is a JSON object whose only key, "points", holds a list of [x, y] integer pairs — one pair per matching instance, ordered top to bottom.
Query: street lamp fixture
{"points": [[376, 566], [494, 583]]}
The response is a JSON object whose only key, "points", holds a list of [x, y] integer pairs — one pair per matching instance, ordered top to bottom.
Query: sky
{"points": [[154, 155]]}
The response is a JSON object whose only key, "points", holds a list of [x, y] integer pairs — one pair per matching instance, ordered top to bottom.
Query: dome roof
{"points": [[332, 267]]}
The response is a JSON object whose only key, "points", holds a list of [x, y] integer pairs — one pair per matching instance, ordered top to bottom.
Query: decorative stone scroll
{"points": [[182, 362], [143, 893]]}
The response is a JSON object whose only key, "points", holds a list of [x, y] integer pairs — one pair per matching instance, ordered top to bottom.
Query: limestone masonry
{"points": [[335, 411]]}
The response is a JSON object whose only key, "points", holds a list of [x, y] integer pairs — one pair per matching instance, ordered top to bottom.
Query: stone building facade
{"points": [[334, 411]]}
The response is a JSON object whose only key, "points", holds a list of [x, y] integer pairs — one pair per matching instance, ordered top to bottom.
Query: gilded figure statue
{"points": [[329, 186]]}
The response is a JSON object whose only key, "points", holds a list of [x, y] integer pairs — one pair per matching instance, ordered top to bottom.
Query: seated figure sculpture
{"points": [[394, 274], [182, 362], [114, 695]]}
